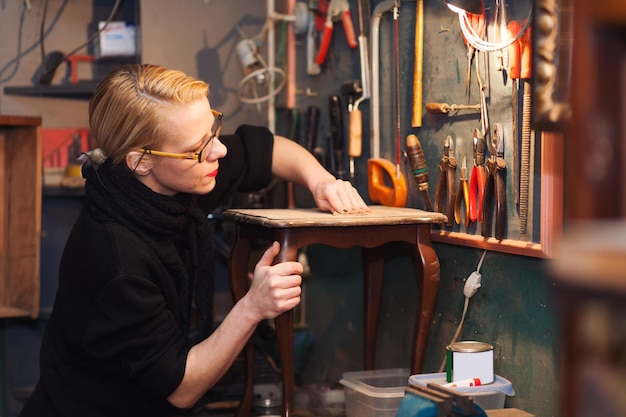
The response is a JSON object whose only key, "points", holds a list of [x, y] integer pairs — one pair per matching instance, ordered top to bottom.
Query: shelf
{"points": [[81, 90], [52, 191]]}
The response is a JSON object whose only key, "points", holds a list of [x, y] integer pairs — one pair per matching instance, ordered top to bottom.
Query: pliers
{"points": [[337, 10], [477, 178], [445, 182], [496, 184], [462, 194]]}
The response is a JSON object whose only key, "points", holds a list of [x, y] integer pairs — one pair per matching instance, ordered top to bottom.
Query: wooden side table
{"points": [[296, 228]]}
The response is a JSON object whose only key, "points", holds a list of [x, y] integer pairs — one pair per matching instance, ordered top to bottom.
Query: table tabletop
{"points": [[314, 217]]}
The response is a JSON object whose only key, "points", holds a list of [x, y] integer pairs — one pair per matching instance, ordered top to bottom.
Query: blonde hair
{"points": [[126, 110]]}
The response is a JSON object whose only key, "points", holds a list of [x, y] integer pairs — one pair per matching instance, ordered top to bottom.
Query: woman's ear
{"points": [[138, 162]]}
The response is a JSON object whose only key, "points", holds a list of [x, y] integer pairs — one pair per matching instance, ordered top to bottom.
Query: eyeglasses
{"points": [[205, 149]]}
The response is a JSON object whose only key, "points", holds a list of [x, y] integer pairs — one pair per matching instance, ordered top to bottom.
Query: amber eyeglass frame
{"points": [[199, 156]]}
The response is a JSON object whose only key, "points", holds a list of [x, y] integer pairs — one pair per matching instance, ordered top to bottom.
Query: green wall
{"points": [[514, 311]]}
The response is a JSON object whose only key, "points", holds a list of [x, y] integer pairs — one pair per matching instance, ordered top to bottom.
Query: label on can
{"points": [[469, 359]]}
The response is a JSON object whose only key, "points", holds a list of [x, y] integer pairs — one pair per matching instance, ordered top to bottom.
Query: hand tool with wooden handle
{"points": [[418, 69], [444, 108], [355, 119], [419, 168]]}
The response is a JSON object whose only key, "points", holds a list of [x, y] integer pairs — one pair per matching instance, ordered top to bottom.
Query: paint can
{"points": [[469, 359]]}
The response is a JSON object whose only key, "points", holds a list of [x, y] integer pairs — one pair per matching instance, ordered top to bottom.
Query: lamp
{"points": [[468, 6]]}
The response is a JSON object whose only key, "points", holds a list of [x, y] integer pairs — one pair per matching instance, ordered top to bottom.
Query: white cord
{"points": [[478, 42], [457, 333]]}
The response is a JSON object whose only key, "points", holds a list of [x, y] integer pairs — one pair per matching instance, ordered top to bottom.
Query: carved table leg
{"points": [[373, 270], [239, 286], [429, 288], [284, 332]]}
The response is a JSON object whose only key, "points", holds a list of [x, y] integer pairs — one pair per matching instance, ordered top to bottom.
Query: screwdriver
{"points": [[419, 168]]}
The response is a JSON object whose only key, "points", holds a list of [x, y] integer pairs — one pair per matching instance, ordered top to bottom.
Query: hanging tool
{"points": [[337, 10], [379, 10], [477, 22], [501, 37], [513, 51], [396, 59], [312, 67], [418, 69], [525, 74], [353, 91], [444, 108], [484, 114], [312, 123], [355, 128], [336, 133], [419, 168], [380, 170], [477, 178], [445, 182], [495, 187], [395, 194], [462, 195]]}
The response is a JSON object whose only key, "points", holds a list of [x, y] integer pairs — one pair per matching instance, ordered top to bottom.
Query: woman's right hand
{"points": [[275, 288]]}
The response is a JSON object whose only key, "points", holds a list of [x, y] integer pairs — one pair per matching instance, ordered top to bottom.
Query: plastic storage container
{"points": [[374, 393], [489, 396]]}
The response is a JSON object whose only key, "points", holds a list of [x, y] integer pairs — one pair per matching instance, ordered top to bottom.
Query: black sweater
{"points": [[118, 336]]}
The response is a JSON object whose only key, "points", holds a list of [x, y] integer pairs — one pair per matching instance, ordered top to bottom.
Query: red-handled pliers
{"points": [[337, 10], [477, 179]]}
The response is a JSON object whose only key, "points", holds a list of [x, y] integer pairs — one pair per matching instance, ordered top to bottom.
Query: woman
{"points": [[129, 334]]}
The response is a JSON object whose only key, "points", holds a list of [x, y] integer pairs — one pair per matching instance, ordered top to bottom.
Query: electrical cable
{"points": [[478, 42], [20, 53], [46, 71], [457, 333]]}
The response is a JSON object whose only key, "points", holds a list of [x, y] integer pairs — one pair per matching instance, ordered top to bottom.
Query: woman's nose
{"points": [[218, 150]]}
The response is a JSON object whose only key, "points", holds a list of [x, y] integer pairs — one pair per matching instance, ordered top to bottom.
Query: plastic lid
{"points": [[469, 346], [384, 383], [499, 384]]}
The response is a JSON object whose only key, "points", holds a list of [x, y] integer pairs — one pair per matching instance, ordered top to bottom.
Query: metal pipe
{"points": [[271, 62]]}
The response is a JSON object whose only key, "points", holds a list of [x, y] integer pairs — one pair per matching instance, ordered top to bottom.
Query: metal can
{"points": [[469, 359]]}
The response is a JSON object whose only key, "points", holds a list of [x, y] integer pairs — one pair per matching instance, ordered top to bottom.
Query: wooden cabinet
{"points": [[20, 211]]}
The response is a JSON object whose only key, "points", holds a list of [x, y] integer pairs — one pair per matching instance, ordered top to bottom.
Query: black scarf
{"points": [[113, 193]]}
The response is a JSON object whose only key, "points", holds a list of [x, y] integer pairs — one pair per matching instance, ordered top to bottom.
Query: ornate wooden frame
{"points": [[552, 39], [551, 216]]}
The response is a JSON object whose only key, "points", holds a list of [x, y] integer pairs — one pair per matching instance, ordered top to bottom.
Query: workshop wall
{"points": [[513, 310]]}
